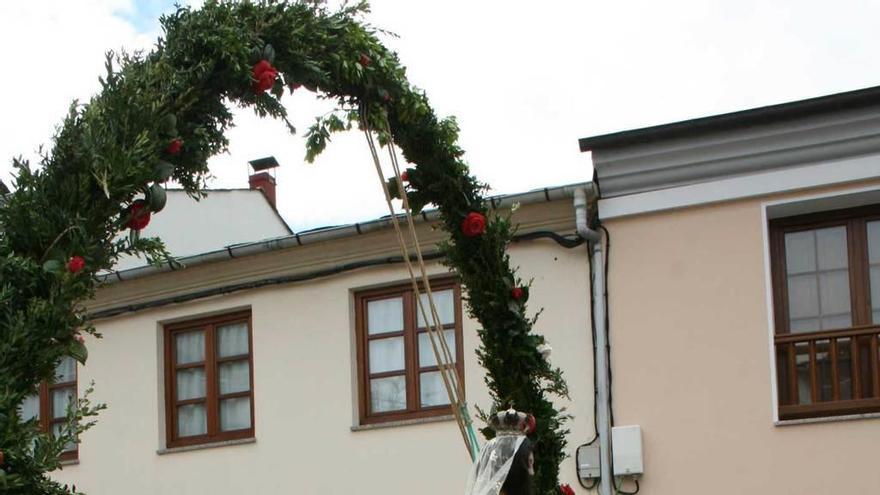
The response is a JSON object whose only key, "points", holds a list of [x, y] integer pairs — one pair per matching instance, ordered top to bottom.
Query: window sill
{"points": [[825, 419], [405, 422], [203, 446], [69, 462]]}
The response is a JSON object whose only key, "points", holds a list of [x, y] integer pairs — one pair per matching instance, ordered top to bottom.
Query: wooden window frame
{"points": [[410, 333], [863, 334], [212, 383], [46, 421]]}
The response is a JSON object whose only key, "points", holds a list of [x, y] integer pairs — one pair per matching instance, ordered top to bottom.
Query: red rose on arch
{"points": [[365, 60], [264, 76], [174, 146], [404, 176], [139, 215], [474, 224], [75, 264], [517, 293], [531, 425], [566, 489]]}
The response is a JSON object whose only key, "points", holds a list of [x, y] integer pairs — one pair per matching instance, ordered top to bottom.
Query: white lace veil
{"points": [[490, 470]]}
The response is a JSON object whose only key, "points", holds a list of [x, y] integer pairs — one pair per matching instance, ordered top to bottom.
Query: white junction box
{"points": [[626, 448], [588, 462]]}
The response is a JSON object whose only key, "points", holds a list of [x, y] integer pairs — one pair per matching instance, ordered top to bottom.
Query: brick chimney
{"points": [[261, 179]]}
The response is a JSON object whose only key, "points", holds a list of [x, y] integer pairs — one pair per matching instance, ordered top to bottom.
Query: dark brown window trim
{"points": [[410, 334], [862, 335], [213, 397]]}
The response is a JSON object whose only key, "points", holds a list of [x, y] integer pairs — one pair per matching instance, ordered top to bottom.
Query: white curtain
{"points": [[444, 301], [385, 315], [232, 340], [190, 347], [387, 355], [388, 394], [30, 407], [235, 414], [191, 420]]}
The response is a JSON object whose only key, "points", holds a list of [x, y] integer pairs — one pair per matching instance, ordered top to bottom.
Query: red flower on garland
{"points": [[365, 60], [264, 76], [174, 146], [404, 176], [139, 215], [473, 224], [75, 264], [517, 293], [79, 338], [531, 425], [2, 458], [566, 489]]}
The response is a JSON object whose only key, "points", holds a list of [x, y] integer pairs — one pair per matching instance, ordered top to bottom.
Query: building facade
{"points": [[743, 322], [298, 364]]}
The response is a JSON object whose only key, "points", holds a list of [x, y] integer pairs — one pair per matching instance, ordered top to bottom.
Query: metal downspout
{"points": [[603, 413]]}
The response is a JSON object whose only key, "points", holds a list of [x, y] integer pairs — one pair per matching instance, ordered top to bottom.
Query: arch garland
{"points": [[160, 116]]}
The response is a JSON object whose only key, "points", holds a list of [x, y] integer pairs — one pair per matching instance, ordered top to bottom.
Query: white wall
{"points": [[304, 390]]}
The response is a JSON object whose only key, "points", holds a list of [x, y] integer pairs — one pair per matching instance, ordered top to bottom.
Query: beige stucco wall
{"points": [[691, 363], [304, 390]]}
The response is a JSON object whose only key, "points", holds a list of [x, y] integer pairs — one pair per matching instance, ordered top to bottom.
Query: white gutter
{"points": [[332, 233], [603, 410]]}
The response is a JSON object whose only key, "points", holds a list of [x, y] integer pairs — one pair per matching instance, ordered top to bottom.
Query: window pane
{"points": [[874, 242], [831, 248], [800, 252], [874, 260], [818, 279], [803, 296], [444, 301], [385, 315], [232, 340], [190, 347], [426, 351], [386, 355], [66, 370], [234, 377], [190, 383], [432, 390], [388, 394], [61, 399], [30, 408], [235, 414], [191, 420], [57, 429]]}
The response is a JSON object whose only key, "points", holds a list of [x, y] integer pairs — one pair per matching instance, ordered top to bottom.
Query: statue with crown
{"points": [[505, 465]]}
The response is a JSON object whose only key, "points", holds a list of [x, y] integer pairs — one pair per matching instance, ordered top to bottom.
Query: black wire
{"points": [[595, 369], [618, 491]]}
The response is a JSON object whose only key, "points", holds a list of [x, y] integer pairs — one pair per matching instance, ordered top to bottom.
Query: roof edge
{"points": [[743, 118]]}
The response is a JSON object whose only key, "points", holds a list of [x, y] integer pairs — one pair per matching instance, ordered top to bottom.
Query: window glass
{"points": [[817, 273], [385, 315]]}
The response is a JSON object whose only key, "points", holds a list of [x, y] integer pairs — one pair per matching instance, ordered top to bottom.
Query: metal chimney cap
{"points": [[266, 163]]}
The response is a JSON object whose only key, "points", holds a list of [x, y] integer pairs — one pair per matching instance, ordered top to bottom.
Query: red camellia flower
{"points": [[365, 60], [264, 75], [174, 146], [404, 176], [139, 215], [473, 225], [75, 264], [517, 293], [79, 338], [531, 425], [2, 458], [566, 489]]}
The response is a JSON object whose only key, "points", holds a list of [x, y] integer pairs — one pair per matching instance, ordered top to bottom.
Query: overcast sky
{"points": [[525, 79]]}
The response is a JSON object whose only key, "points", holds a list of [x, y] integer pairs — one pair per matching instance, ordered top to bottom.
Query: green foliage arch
{"points": [[110, 156]]}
